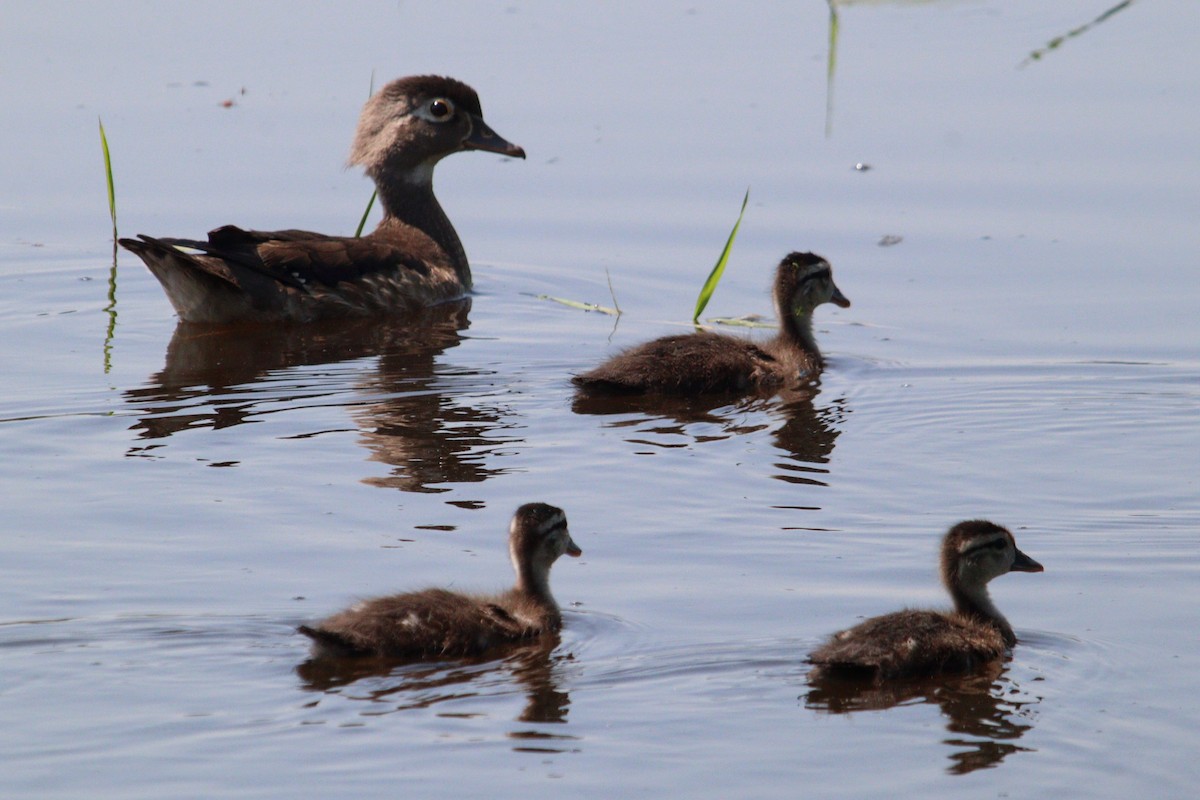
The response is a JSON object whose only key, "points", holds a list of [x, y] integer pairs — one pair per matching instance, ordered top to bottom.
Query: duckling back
{"points": [[696, 363], [433, 623], [436, 623], [907, 644]]}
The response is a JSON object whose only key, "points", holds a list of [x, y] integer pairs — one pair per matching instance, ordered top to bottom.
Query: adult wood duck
{"points": [[412, 259], [711, 363], [436, 623], [915, 643]]}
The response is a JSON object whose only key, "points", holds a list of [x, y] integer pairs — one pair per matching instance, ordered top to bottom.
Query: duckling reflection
{"points": [[710, 363], [228, 376], [802, 430], [807, 435], [533, 666], [980, 709]]}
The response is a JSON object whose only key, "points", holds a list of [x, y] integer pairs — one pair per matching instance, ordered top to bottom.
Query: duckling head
{"points": [[805, 281], [537, 536], [976, 551]]}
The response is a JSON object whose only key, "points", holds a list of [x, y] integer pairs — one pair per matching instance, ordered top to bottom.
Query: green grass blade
{"points": [[831, 66], [112, 195], [362, 222], [714, 277], [111, 308]]}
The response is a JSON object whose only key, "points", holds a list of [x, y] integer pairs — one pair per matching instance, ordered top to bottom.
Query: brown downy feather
{"points": [[710, 363], [436, 623], [915, 643]]}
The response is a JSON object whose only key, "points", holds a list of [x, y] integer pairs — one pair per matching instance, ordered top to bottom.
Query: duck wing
{"points": [[299, 258], [296, 274]]}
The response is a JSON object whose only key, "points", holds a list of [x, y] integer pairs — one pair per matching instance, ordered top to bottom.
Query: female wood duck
{"points": [[413, 258], [710, 363], [436, 623], [912, 643]]}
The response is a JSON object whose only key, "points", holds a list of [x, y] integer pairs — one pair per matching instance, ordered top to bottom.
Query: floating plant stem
{"points": [[1059, 41], [714, 277], [611, 293], [614, 312], [751, 321]]}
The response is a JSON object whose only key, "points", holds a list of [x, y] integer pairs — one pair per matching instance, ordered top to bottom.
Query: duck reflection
{"points": [[219, 377], [532, 667], [983, 716]]}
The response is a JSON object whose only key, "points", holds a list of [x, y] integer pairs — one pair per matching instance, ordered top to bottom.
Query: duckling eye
{"points": [[440, 108]]}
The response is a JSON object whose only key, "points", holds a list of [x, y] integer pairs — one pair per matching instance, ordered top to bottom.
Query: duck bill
{"points": [[484, 138], [839, 299], [573, 549], [1023, 563]]}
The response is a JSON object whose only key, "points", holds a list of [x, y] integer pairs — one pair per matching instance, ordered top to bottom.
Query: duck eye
{"points": [[440, 108]]}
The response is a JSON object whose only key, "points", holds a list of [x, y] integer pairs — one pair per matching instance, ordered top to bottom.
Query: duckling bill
{"points": [[412, 259], [710, 363], [437, 623], [916, 643]]}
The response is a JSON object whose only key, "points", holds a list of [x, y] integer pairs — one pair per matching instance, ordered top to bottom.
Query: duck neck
{"points": [[407, 197], [796, 332], [534, 584], [977, 604]]}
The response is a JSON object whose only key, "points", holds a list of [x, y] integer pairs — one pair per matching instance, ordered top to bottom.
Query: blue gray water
{"points": [[1021, 254]]}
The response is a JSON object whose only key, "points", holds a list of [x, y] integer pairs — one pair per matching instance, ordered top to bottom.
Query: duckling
{"points": [[412, 259], [710, 363], [436, 623], [915, 643]]}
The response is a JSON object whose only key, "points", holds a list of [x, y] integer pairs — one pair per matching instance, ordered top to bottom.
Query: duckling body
{"points": [[413, 258], [711, 363], [436, 623], [914, 643]]}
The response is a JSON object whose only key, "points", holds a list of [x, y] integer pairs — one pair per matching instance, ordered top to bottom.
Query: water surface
{"points": [[1020, 251]]}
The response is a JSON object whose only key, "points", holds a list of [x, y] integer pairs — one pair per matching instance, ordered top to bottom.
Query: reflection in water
{"points": [[219, 377], [807, 434], [532, 666], [983, 717]]}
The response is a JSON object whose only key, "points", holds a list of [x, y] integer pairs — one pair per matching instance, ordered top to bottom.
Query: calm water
{"points": [[1021, 254]]}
